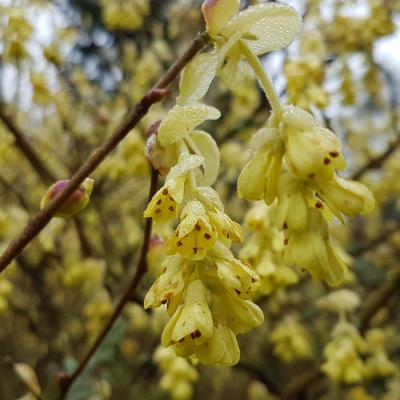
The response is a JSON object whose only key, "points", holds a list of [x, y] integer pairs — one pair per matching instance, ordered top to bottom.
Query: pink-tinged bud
{"points": [[217, 13], [161, 158], [76, 202]]}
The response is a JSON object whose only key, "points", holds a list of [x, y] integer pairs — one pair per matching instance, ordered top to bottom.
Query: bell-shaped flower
{"points": [[263, 27], [179, 125], [310, 149], [260, 176], [346, 196], [166, 202], [293, 203], [227, 229], [194, 235], [312, 250], [233, 273], [274, 275], [170, 283], [340, 301], [238, 314], [192, 320], [222, 348], [343, 361], [378, 364]]}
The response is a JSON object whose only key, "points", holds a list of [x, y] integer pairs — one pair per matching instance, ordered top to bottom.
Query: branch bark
{"points": [[156, 94], [23, 145]]}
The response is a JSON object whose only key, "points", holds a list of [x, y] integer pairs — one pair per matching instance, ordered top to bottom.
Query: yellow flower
{"points": [[179, 126], [310, 149], [260, 176], [346, 196], [165, 203], [293, 203], [227, 229], [194, 235], [312, 250], [233, 273], [169, 284], [341, 301], [241, 314], [192, 321], [290, 340], [222, 348], [344, 363]]}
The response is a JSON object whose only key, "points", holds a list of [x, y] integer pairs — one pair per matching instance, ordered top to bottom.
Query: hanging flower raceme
{"points": [[293, 163], [206, 289]]}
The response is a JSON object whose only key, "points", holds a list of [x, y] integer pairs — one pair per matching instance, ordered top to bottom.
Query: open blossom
{"points": [[310, 149], [259, 178], [165, 203], [194, 235], [312, 250], [192, 320], [343, 359]]}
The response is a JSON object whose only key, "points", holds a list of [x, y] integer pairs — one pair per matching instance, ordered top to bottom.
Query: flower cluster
{"points": [[294, 163], [264, 250], [207, 290], [349, 357], [178, 374]]}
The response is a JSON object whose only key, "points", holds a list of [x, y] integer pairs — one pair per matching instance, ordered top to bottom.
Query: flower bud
{"points": [[217, 13], [161, 158], [76, 202]]}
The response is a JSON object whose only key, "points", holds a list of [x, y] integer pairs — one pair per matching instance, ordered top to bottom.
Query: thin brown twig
{"points": [[156, 94], [26, 149], [377, 161], [373, 243], [379, 298], [67, 380]]}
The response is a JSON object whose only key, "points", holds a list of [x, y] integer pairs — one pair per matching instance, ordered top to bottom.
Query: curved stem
{"points": [[263, 77], [66, 381]]}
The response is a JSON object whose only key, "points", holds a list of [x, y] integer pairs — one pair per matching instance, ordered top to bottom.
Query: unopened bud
{"points": [[217, 13], [160, 158], [76, 202]]}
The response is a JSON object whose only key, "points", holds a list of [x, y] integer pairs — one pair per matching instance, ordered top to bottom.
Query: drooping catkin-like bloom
{"points": [[293, 165], [207, 290]]}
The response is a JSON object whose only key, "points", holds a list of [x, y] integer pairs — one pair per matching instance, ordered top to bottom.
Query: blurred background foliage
{"points": [[69, 72]]}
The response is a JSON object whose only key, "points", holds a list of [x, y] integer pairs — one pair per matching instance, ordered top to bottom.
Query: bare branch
{"points": [[26, 149], [376, 162]]}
